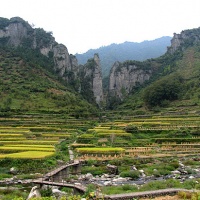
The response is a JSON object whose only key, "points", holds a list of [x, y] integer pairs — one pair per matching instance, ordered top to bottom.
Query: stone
{"points": [[181, 165], [133, 168], [112, 169], [13, 170], [175, 172], [89, 176], [105, 176], [120, 179], [106, 183], [34, 193], [57, 193]]}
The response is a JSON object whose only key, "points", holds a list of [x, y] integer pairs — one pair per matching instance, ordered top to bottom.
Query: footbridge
{"points": [[59, 176]]}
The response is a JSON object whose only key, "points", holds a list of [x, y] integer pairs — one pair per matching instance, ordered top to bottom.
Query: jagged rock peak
{"points": [[13, 31], [17, 32], [183, 40], [92, 80], [97, 81]]}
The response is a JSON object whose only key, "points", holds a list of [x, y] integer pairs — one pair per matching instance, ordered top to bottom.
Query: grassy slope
{"points": [[30, 87]]}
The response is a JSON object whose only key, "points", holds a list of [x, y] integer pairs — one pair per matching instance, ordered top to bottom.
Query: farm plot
{"points": [[35, 135], [152, 136], [99, 153]]}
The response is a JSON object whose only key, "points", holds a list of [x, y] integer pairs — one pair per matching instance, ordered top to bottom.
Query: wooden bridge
{"points": [[59, 176], [78, 187]]}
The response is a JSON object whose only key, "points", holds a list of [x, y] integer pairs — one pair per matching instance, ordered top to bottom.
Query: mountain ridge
{"points": [[36, 49], [126, 51]]}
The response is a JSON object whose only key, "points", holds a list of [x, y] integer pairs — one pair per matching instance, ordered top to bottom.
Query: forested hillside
{"points": [[175, 83], [27, 85]]}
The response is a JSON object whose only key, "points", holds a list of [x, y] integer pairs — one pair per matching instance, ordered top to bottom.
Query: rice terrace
{"points": [[156, 145]]}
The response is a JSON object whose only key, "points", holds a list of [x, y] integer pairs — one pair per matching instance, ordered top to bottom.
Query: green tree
{"points": [[163, 90]]}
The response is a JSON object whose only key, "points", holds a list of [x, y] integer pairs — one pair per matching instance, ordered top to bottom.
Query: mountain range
{"points": [[126, 51], [38, 74]]}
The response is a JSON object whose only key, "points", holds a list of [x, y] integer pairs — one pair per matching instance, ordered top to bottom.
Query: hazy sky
{"points": [[86, 24]]}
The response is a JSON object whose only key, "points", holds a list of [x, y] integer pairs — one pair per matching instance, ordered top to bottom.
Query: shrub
{"points": [[132, 174]]}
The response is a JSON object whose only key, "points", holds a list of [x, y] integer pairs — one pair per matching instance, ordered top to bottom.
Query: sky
{"points": [[89, 24]]}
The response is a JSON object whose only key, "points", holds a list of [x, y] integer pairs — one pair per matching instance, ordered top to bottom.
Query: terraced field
{"points": [[36, 135], [145, 136]]}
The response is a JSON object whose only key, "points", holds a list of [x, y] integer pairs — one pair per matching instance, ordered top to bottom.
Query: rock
{"points": [[181, 165], [133, 168], [113, 169], [13, 170], [141, 171], [183, 171], [176, 172], [89, 176], [105, 176], [191, 177], [120, 179], [20, 181], [106, 183], [34, 193], [57, 193]]}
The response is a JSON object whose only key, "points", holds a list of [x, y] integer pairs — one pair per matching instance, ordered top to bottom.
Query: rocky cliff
{"points": [[17, 32], [185, 39], [125, 76], [91, 82]]}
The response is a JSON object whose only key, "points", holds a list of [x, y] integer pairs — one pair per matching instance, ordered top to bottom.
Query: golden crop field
{"points": [[28, 154]]}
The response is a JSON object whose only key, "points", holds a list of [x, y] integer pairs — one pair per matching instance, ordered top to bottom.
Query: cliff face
{"points": [[16, 32], [184, 39], [124, 77]]}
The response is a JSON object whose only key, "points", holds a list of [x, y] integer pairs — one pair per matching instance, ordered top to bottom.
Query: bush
{"points": [[132, 174]]}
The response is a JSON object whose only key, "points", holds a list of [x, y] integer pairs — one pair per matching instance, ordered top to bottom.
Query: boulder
{"points": [[133, 168], [112, 169], [13, 170], [176, 172], [89, 176], [120, 179], [106, 183], [34, 193], [57, 193]]}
